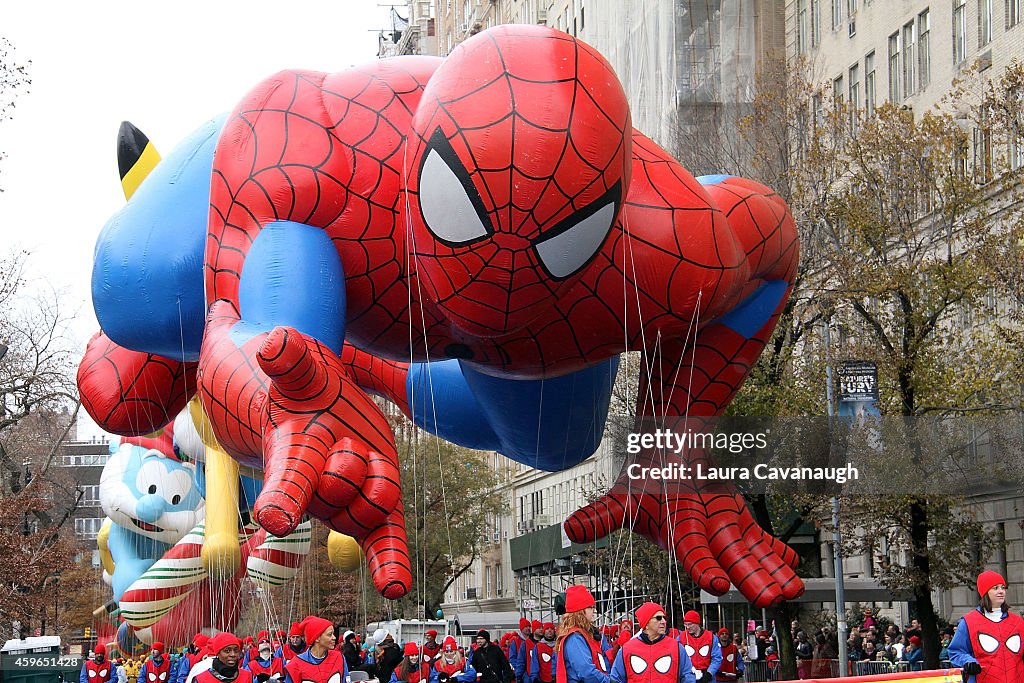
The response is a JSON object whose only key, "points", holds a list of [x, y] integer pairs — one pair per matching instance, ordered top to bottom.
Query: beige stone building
{"points": [[909, 52]]}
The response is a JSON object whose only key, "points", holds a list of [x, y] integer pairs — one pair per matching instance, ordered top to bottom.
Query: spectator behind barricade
{"points": [[945, 638], [804, 652], [824, 653], [913, 655]]}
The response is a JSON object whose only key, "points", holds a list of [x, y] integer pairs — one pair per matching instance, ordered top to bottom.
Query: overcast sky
{"points": [[166, 67]]}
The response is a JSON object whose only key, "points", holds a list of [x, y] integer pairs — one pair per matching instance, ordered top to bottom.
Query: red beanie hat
{"points": [[987, 580], [577, 599], [646, 612], [691, 617], [524, 623], [536, 625], [549, 625], [314, 627], [295, 630], [723, 631], [432, 632], [201, 640], [223, 640], [916, 641], [450, 645], [158, 646], [100, 649], [410, 649]]}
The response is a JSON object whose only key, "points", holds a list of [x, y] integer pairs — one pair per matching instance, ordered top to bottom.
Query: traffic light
{"points": [[88, 632]]}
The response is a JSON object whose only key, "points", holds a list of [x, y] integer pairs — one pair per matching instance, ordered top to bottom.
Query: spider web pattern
{"points": [[540, 124], [330, 151], [129, 392], [1003, 664]]}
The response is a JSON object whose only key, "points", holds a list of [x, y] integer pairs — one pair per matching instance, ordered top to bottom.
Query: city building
{"points": [[909, 52]]}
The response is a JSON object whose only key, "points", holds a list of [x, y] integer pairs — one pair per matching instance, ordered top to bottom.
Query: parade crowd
{"points": [[986, 644]]}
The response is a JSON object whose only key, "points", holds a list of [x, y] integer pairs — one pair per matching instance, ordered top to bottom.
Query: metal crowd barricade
{"points": [[873, 668], [757, 672]]}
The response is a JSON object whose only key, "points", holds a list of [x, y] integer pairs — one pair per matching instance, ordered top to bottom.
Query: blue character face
{"points": [[150, 494]]}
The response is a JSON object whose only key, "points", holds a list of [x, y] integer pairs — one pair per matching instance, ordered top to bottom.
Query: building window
{"points": [[1012, 13], [837, 14], [984, 22], [815, 23], [802, 25], [959, 31], [924, 56], [909, 59], [894, 67], [869, 82], [837, 91], [854, 95], [816, 111], [1016, 152], [983, 153], [94, 460], [90, 496], [87, 528]]}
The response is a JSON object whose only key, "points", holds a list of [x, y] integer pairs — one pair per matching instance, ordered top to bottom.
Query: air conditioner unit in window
{"points": [[464, 28], [543, 520], [531, 524], [521, 526], [495, 537], [471, 594]]}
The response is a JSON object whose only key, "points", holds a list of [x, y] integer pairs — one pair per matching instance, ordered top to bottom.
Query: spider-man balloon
{"points": [[476, 239]]}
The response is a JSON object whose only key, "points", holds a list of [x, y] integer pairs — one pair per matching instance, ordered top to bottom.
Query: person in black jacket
{"points": [[350, 649], [389, 655], [489, 661]]}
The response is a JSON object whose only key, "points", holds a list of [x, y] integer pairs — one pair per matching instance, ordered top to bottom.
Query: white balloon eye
{"points": [[449, 202], [571, 244], [151, 478], [177, 486], [988, 643], [1013, 643], [689, 650], [704, 650], [730, 658], [637, 664], [663, 664], [103, 673], [92, 674], [163, 675], [152, 676], [335, 678]]}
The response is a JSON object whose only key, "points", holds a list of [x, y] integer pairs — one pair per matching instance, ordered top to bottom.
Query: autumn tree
{"points": [[452, 504]]}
